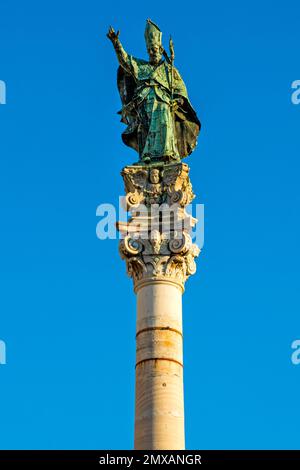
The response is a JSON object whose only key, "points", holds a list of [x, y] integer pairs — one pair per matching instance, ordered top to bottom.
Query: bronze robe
{"points": [[153, 129]]}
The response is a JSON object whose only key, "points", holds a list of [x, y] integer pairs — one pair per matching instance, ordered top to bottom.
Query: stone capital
{"points": [[156, 244]]}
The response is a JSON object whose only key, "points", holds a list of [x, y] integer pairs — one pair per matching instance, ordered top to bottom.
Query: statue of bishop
{"points": [[162, 125]]}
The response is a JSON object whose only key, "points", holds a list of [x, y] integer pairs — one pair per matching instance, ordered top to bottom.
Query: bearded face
{"points": [[155, 54]]}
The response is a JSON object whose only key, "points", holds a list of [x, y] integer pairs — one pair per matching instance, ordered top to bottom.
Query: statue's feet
{"points": [[165, 159], [172, 159], [144, 161]]}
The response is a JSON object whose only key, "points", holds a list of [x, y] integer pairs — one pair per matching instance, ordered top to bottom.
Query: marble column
{"points": [[160, 256]]}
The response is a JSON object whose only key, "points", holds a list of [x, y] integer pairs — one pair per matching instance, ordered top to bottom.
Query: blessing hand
{"points": [[112, 35]]}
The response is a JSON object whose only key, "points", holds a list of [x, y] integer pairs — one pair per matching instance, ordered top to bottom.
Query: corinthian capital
{"points": [[156, 243]]}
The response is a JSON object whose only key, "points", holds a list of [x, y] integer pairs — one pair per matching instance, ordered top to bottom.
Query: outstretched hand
{"points": [[112, 35]]}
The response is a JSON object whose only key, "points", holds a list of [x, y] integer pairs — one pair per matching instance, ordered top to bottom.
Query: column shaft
{"points": [[159, 405]]}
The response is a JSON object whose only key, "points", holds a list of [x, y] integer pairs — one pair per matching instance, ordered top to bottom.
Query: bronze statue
{"points": [[162, 125]]}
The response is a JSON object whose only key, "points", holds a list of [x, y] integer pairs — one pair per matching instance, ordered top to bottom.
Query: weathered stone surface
{"points": [[157, 243], [160, 256], [159, 403]]}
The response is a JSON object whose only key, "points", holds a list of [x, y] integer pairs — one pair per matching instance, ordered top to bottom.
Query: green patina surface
{"points": [[161, 124]]}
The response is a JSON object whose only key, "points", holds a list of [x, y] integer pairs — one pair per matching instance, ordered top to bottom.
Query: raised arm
{"points": [[122, 55]]}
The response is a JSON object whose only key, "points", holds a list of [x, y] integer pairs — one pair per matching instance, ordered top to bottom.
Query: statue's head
{"points": [[153, 36]]}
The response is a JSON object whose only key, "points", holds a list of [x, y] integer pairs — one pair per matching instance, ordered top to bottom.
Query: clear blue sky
{"points": [[67, 309]]}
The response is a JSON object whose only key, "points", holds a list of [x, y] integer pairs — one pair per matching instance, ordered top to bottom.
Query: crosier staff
{"points": [[172, 57], [170, 60]]}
